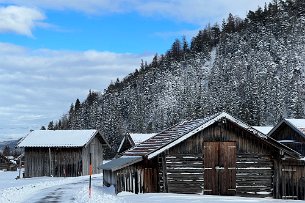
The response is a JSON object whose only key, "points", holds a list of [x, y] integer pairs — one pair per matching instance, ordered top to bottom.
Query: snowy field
{"points": [[64, 190]]}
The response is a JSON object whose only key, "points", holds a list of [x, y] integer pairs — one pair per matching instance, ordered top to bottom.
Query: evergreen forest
{"points": [[252, 68]]}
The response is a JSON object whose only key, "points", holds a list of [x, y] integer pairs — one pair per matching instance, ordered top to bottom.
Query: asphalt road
{"points": [[58, 194]]}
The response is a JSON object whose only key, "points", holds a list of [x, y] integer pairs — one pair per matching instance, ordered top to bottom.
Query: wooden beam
{"points": [[164, 173]]}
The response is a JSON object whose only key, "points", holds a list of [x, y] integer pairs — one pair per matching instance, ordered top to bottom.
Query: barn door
{"points": [[220, 168]]}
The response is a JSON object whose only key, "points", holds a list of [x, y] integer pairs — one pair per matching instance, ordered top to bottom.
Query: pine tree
{"points": [[51, 125]]}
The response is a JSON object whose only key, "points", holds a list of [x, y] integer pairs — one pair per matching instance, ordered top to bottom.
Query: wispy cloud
{"points": [[192, 11], [199, 12], [19, 19], [37, 86]]}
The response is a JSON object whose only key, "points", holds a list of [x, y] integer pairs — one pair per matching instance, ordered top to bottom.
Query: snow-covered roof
{"points": [[299, 123], [263, 129], [138, 137], [59, 138], [10, 157], [121, 162]]}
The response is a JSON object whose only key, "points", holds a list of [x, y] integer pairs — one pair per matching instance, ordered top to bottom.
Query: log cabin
{"points": [[62, 152], [217, 155]]}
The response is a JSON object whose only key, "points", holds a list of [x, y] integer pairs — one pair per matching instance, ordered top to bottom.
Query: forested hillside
{"points": [[252, 68]]}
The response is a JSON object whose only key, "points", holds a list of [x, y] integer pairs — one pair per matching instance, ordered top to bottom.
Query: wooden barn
{"points": [[290, 132], [132, 139], [62, 152], [218, 155], [6, 164]]}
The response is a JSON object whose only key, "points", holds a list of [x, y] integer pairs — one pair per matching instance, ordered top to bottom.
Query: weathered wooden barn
{"points": [[130, 140], [62, 152], [219, 155], [6, 164]]}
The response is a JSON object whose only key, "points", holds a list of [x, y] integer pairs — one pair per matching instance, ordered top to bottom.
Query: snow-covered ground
{"points": [[64, 190]]}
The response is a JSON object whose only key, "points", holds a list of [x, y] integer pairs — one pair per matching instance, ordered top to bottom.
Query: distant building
{"points": [[131, 140], [62, 152], [6, 164]]}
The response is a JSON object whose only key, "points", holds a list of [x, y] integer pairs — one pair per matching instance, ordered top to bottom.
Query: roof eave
{"points": [[115, 168]]}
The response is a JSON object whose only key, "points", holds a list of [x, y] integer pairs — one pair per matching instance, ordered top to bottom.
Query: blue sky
{"points": [[127, 32], [53, 51]]}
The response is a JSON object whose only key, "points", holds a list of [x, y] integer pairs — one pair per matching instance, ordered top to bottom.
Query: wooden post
{"points": [[50, 162], [20, 166], [90, 173], [164, 173]]}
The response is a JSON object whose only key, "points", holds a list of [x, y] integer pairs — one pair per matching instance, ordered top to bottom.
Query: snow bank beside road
{"points": [[75, 189], [99, 194]]}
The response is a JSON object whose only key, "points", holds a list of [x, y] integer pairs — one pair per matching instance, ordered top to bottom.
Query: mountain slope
{"points": [[251, 68]]}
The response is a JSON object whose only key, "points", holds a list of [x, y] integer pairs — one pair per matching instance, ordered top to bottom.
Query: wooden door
{"points": [[220, 168], [210, 174], [150, 180]]}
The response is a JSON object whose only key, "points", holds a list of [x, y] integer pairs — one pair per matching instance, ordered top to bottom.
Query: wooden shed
{"points": [[290, 132], [132, 139], [62, 152], [218, 155], [6, 164]]}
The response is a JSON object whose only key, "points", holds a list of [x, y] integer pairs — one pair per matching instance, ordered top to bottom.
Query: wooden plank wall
{"points": [[65, 162], [184, 174], [254, 175], [109, 178], [291, 179], [137, 180]]}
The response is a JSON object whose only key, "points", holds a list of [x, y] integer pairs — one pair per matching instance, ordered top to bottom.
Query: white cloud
{"points": [[87, 6], [193, 11], [19, 19], [37, 86]]}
